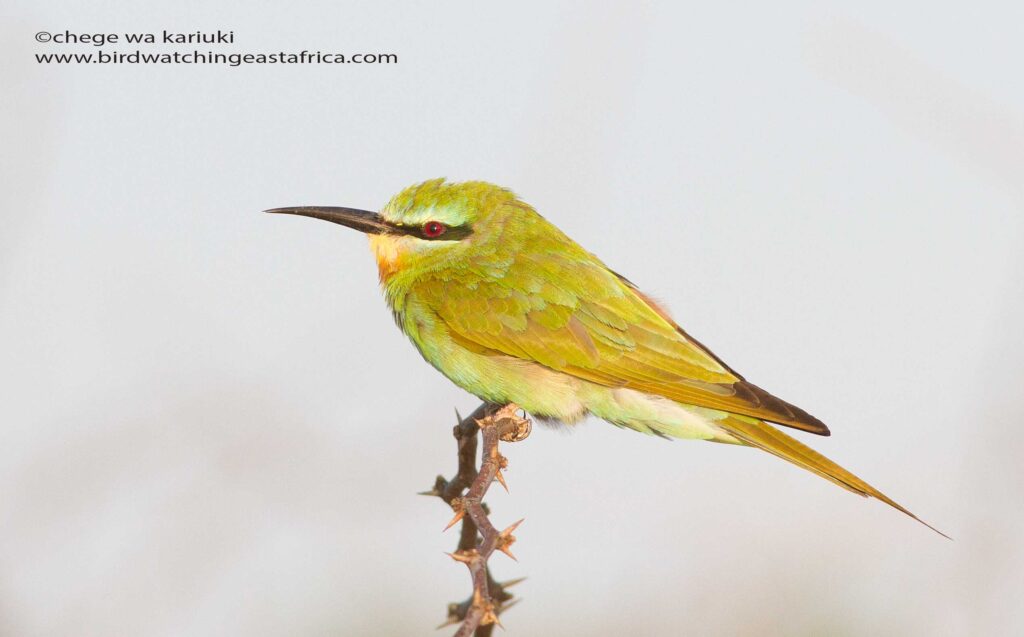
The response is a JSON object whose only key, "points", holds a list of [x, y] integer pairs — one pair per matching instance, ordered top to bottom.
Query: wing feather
{"points": [[575, 316]]}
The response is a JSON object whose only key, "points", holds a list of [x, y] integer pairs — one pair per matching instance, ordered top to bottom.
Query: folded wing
{"points": [[576, 316]]}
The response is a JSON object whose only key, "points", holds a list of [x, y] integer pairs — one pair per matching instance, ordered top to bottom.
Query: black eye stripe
{"points": [[451, 233]]}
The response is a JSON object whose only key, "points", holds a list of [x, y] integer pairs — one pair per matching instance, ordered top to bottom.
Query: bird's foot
{"points": [[511, 426]]}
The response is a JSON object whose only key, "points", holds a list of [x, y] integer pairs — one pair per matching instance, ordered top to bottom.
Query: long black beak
{"points": [[361, 220]]}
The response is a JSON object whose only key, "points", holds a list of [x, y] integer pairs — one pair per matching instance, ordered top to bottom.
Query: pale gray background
{"points": [[210, 425]]}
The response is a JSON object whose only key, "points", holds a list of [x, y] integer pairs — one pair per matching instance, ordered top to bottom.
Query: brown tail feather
{"points": [[763, 436]]}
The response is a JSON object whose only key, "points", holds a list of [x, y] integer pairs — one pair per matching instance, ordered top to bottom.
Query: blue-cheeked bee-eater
{"points": [[512, 310]]}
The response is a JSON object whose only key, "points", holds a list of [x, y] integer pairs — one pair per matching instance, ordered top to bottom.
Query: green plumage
{"points": [[518, 290], [514, 311]]}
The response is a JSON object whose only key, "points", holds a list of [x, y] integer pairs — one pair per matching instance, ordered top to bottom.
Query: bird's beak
{"points": [[361, 220]]}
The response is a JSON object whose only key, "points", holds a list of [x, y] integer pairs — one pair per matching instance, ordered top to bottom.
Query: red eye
{"points": [[433, 229]]}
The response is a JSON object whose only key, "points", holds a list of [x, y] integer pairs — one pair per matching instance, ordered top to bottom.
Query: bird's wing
{"points": [[578, 317]]}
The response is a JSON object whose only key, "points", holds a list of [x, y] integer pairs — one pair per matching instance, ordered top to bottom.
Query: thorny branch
{"points": [[478, 538]]}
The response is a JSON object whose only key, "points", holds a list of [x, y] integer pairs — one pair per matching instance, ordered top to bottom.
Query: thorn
{"points": [[458, 416], [501, 479], [432, 492], [459, 514], [512, 527], [506, 539], [504, 549], [463, 556], [510, 584], [451, 621]]}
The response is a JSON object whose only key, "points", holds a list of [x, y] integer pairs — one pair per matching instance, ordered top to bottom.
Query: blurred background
{"points": [[210, 425]]}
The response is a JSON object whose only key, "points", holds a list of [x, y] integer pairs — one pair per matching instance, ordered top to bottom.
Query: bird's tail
{"points": [[760, 434]]}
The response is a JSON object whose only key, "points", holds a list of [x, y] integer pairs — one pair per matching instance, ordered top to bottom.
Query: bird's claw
{"points": [[511, 426]]}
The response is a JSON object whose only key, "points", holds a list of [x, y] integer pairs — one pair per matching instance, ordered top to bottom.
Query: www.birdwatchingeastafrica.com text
{"points": [[210, 57]]}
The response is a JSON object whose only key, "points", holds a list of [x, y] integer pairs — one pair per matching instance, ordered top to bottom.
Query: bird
{"points": [[512, 310]]}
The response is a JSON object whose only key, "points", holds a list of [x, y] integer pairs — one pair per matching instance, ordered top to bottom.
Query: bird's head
{"points": [[433, 224]]}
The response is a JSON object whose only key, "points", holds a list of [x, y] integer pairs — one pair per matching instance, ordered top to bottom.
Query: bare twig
{"points": [[478, 538]]}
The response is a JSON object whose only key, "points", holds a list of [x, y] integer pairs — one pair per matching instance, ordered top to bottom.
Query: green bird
{"points": [[512, 310]]}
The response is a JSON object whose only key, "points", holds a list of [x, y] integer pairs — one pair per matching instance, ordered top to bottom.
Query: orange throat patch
{"points": [[388, 254]]}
